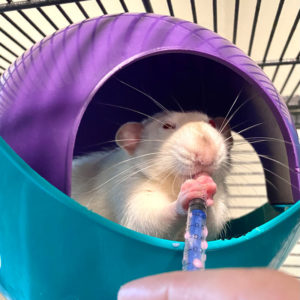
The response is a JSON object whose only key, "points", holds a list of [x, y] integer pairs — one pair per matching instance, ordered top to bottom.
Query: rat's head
{"points": [[177, 144]]}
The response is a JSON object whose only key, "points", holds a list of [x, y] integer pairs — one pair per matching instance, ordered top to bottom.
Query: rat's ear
{"points": [[223, 124], [129, 135]]}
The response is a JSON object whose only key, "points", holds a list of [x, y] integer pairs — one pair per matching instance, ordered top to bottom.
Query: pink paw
{"points": [[201, 187]]}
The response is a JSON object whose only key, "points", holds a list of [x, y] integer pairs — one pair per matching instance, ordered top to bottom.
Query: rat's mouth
{"points": [[189, 169], [193, 174], [196, 175]]}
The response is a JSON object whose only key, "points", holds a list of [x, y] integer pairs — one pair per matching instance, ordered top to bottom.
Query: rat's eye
{"points": [[212, 123], [168, 126]]}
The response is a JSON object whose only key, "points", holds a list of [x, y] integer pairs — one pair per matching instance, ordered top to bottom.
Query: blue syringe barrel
{"points": [[195, 236]]}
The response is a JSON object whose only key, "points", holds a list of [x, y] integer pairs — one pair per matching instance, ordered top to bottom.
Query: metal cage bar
{"points": [[31, 4], [124, 6], [148, 6], [193, 6], [170, 7], [82, 9], [279, 9], [62, 11], [104, 11], [215, 15], [7, 18], [47, 18], [236, 19], [255, 19], [31, 23], [12, 38], [287, 43], [8, 50], [5, 59], [278, 63], [289, 75], [293, 93]]}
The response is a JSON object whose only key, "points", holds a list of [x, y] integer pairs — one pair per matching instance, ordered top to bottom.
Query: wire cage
{"points": [[281, 63], [51, 259]]}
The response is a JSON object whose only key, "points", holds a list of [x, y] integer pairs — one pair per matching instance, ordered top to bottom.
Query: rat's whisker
{"points": [[145, 94], [178, 104], [131, 109], [230, 109], [235, 112], [238, 125], [245, 129], [270, 139], [122, 140], [255, 141], [134, 158], [278, 162], [148, 165], [250, 171], [131, 174], [165, 177], [92, 179], [283, 179], [173, 184], [97, 188]]}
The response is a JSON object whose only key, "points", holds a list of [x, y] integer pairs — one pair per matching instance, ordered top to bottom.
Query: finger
{"points": [[226, 284]]}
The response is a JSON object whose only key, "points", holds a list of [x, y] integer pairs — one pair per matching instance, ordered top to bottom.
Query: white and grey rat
{"points": [[146, 183]]}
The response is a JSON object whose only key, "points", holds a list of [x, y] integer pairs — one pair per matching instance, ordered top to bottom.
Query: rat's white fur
{"points": [[140, 192]]}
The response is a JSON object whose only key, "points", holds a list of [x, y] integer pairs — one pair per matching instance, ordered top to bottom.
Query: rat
{"points": [[159, 166]]}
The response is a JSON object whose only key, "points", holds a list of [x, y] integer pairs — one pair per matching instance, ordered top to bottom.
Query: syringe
{"points": [[195, 236]]}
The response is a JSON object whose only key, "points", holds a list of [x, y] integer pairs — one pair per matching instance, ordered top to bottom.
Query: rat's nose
{"points": [[202, 150]]}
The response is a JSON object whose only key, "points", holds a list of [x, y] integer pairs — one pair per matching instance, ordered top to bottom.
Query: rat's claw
{"points": [[201, 187]]}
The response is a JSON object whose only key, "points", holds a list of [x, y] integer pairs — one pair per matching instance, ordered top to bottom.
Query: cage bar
{"points": [[31, 4], [124, 5], [280, 5], [148, 6], [170, 6], [82, 9], [62, 11], [104, 11], [194, 11], [215, 14], [7, 18], [47, 18], [236, 18], [255, 19], [31, 23], [12, 38], [287, 43], [9, 50], [5, 59], [279, 62], [289, 75], [293, 92]]}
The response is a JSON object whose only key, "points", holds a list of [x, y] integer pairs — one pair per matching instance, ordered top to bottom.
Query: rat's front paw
{"points": [[201, 187]]}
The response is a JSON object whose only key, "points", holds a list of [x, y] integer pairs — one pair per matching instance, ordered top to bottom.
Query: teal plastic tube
{"points": [[51, 247]]}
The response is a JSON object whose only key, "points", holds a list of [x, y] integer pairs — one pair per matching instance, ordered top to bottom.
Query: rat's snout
{"points": [[201, 146]]}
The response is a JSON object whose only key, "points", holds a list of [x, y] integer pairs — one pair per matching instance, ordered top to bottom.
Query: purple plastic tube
{"points": [[195, 237]]}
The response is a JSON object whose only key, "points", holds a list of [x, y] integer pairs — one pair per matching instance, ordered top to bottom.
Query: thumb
{"points": [[225, 284]]}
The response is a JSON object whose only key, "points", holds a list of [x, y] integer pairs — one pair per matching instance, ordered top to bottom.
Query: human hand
{"points": [[219, 284]]}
